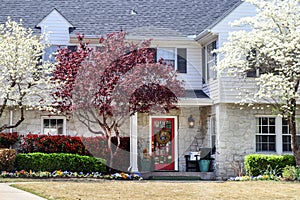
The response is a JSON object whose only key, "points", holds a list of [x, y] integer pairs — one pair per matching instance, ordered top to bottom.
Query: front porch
{"points": [[160, 144]]}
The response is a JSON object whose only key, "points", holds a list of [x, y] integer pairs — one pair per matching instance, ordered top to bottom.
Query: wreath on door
{"points": [[163, 137]]}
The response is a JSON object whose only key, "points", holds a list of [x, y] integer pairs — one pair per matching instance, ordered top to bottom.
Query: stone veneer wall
{"points": [[32, 124], [235, 128]]}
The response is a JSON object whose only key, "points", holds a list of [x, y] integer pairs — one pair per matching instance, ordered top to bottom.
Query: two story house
{"points": [[184, 33]]}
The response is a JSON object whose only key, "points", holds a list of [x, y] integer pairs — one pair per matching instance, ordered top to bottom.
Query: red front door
{"points": [[163, 143]]}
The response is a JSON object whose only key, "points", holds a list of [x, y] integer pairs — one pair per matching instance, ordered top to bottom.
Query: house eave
{"points": [[206, 36], [195, 102]]}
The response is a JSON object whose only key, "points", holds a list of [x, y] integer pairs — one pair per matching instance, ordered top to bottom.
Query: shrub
{"points": [[8, 139], [52, 144], [7, 159], [59, 161], [256, 164], [288, 173], [291, 173]]}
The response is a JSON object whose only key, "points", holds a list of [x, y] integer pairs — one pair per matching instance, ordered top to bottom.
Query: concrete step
{"points": [[171, 175]]}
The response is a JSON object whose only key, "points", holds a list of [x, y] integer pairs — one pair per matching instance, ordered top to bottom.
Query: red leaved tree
{"points": [[104, 87]]}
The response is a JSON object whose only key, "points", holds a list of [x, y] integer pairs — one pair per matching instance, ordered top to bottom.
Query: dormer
{"points": [[57, 27]]}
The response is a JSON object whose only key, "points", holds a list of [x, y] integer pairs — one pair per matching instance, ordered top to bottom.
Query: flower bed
{"points": [[67, 174]]}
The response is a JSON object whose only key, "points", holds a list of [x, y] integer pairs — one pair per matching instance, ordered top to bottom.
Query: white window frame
{"points": [[174, 49], [210, 73], [64, 128], [259, 132], [278, 134], [288, 134]]}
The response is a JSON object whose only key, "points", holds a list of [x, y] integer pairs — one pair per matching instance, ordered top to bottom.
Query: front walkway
{"points": [[10, 193]]}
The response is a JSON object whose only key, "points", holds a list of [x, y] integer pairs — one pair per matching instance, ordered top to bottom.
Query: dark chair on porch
{"points": [[191, 162]]}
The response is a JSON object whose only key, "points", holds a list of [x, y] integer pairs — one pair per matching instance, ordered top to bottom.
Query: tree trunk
{"points": [[292, 127], [109, 145], [111, 156]]}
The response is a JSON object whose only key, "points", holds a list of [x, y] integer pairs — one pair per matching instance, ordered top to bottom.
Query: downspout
{"points": [[10, 119]]}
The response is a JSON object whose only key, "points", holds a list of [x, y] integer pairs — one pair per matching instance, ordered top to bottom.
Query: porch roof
{"points": [[195, 98]]}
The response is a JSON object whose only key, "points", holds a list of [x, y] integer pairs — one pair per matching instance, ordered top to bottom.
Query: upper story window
{"points": [[50, 51], [175, 57], [209, 61], [257, 68]]}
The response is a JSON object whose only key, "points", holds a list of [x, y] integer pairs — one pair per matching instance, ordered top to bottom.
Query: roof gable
{"points": [[54, 14]]}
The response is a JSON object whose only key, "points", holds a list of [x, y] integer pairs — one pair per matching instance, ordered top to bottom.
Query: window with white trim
{"points": [[175, 57], [209, 61], [54, 125], [265, 134], [273, 134], [286, 136]]}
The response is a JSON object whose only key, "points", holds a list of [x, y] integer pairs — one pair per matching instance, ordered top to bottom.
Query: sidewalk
{"points": [[10, 193]]}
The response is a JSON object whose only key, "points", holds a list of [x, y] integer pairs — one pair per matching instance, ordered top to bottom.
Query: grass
{"points": [[174, 190]]}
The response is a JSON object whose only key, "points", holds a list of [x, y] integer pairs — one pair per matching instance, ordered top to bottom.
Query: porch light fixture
{"points": [[191, 122]]}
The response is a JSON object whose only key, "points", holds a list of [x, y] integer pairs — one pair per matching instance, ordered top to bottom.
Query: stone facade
{"points": [[236, 129]]}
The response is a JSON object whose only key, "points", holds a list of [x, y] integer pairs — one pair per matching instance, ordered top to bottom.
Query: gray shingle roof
{"points": [[98, 17]]}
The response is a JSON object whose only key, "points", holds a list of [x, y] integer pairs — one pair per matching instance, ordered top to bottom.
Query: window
{"points": [[49, 54], [175, 57], [209, 61], [257, 68], [54, 125], [213, 133], [265, 134], [273, 134], [286, 136]]}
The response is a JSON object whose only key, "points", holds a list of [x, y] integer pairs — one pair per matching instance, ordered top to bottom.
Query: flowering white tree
{"points": [[272, 50], [24, 77]]}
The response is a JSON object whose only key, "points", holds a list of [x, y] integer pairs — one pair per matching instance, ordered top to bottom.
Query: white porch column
{"points": [[133, 143]]}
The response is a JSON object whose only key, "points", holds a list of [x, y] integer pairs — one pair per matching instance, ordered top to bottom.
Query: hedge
{"points": [[90, 146], [59, 161], [256, 164]]}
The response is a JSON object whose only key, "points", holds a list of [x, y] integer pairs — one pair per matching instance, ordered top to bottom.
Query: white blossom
{"points": [[274, 36], [25, 80]]}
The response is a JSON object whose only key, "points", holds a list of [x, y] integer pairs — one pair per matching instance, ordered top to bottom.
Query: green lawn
{"points": [[104, 189]]}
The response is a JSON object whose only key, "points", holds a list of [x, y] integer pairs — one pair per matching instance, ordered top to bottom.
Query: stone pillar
{"points": [[133, 143]]}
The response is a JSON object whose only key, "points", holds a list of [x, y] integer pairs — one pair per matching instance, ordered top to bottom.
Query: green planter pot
{"points": [[204, 165]]}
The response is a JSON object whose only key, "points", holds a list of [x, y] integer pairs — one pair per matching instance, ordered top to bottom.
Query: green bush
{"points": [[59, 161], [257, 164], [288, 173], [291, 173]]}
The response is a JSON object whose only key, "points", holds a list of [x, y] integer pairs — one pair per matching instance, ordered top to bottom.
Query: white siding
{"points": [[57, 28], [224, 89]]}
